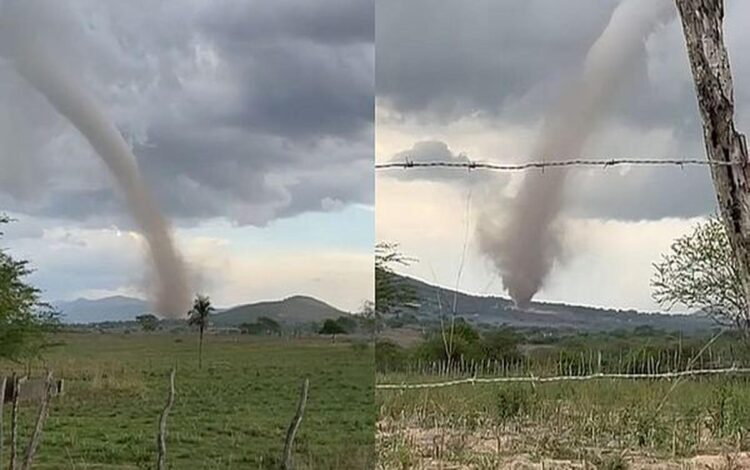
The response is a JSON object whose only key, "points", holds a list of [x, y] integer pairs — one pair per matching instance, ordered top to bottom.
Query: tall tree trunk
{"points": [[702, 22]]}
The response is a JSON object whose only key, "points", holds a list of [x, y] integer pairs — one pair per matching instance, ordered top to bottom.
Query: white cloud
{"points": [[607, 262]]}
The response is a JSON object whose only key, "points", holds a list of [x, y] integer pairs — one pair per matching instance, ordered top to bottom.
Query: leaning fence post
{"points": [[17, 381], [3, 382], [41, 418], [294, 426], [161, 442]]}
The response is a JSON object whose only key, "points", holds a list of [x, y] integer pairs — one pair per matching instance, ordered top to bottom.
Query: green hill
{"points": [[433, 301], [298, 309]]}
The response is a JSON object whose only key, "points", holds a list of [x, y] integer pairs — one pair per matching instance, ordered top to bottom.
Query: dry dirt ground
{"points": [[402, 447]]}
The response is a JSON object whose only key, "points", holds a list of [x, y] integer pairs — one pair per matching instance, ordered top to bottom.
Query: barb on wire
{"points": [[604, 163], [533, 379]]}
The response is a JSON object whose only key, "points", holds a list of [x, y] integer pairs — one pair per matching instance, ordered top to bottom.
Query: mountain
{"points": [[116, 308], [292, 310], [495, 311]]}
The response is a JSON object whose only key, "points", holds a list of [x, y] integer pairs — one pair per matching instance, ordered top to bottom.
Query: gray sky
{"points": [[473, 79], [248, 119]]}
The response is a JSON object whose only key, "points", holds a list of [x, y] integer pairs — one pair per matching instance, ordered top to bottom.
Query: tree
{"points": [[709, 61], [700, 272], [391, 293], [198, 316], [24, 319], [147, 321], [371, 321], [348, 323], [269, 325], [263, 326], [333, 328], [252, 329], [465, 342], [501, 345], [389, 356]]}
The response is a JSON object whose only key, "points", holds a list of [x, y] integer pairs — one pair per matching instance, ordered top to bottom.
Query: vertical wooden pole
{"points": [[702, 23], [294, 426], [36, 435], [161, 440]]}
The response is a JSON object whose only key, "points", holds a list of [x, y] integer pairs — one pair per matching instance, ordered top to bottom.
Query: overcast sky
{"points": [[459, 80], [252, 122]]}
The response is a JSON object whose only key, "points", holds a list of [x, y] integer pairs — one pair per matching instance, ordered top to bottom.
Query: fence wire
{"points": [[601, 163], [564, 378]]}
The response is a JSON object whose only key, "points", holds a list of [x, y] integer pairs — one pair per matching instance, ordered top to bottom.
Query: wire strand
{"points": [[603, 163], [486, 380]]}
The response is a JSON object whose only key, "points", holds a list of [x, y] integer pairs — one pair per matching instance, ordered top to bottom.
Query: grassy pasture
{"points": [[231, 414], [607, 423]]}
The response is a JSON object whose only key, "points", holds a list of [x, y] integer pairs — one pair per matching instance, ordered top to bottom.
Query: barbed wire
{"points": [[603, 163], [562, 378]]}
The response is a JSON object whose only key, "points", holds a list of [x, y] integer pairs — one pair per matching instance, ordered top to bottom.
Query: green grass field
{"points": [[231, 414], [607, 423]]}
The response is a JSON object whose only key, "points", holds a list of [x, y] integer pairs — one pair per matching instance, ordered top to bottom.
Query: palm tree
{"points": [[198, 316]]}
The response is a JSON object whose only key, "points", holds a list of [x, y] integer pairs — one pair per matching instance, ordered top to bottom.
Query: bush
{"points": [[463, 339], [501, 345], [360, 346], [389, 356], [512, 402]]}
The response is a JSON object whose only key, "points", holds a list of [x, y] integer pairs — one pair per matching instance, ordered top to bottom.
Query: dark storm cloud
{"points": [[327, 22], [453, 58], [508, 61], [310, 64], [305, 90], [228, 105], [251, 178]]}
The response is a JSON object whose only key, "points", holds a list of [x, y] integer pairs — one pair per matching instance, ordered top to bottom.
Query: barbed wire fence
{"points": [[602, 163], [542, 164], [565, 378]]}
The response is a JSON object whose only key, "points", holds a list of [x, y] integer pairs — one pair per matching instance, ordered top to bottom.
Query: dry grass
{"points": [[608, 424], [402, 447]]}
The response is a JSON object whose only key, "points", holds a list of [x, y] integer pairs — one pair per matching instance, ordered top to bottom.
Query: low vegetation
{"points": [[233, 413], [592, 421]]}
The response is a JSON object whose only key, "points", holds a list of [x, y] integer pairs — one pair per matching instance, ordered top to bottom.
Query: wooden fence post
{"points": [[702, 23], [3, 382], [17, 382], [294, 426], [36, 435], [161, 440]]}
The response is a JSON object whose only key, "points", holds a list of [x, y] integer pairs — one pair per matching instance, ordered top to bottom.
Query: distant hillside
{"points": [[116, 308], [292, 310], [493, 310]]}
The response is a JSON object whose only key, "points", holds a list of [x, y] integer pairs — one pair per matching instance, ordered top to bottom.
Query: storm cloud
{"points": [[504, 63], [237, 110]]}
